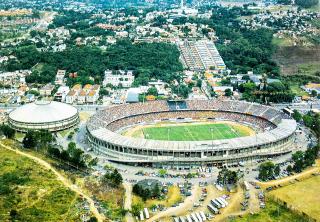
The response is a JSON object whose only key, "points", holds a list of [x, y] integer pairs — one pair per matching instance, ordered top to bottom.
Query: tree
{"points": [[306, 3], [152, 91], [228, 92], [314, 93], [296, 115], [308, 120], [7, 131], [30, 140], [298, 159], [289, 168], [277, 170], [266, 171], [227, 176], [112, 178], [157, 191], [136, 208], [13, 214], [93, 219]]}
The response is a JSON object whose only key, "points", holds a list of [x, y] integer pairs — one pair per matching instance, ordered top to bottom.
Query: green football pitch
{"points": [[194, 132]]}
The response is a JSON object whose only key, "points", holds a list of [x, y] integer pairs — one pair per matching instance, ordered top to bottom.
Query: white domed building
{"points": [[47, 115]]}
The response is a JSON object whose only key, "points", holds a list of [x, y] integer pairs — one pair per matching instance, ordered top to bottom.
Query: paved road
{"points": [[302, 107], [61, 178]]}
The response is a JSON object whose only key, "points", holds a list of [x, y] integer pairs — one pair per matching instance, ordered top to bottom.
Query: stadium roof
{"points": [[43, 112]]}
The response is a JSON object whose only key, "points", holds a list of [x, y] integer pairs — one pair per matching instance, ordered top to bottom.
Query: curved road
{"points": [[60, 177]]}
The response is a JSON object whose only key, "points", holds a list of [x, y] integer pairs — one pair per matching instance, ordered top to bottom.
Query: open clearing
{"points": [[298, 60], [191, 131], [303, 196]]}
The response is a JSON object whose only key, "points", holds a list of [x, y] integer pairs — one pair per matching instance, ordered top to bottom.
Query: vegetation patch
{"points": [[30, 193], [302, 196], [272, 213]]}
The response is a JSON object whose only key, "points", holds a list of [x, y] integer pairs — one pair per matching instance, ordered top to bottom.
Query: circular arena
{"points": [[47, 115], [183, 134]]}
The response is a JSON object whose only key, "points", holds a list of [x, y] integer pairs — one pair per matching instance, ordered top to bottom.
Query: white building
{"points": [[60, 77], [118, 78], [61, 93], [71, 97]]}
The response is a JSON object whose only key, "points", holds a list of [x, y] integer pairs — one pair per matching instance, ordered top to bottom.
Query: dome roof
{"points": [[43, 112]]}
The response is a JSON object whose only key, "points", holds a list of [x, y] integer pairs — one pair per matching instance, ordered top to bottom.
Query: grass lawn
{"points": [[281, 42], [309, 68], [295, 88], [194, 132], [65, 133], [33, 191], [303, 196], [173, 197], [272, 213]]}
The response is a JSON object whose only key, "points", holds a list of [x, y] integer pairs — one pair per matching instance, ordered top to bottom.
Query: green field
{"points": [[195, 132], [272, 213]]}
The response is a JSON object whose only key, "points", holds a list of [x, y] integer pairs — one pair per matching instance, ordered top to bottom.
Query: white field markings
{"points": [[217, 131], [189, 132]]}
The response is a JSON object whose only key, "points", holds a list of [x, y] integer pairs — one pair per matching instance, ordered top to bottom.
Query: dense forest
{"points": [[243, 49], [147, 60]]}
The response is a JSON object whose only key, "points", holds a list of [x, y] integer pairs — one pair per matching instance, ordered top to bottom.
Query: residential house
{"points": [[118, 78], [46, 90], [82, 97]]}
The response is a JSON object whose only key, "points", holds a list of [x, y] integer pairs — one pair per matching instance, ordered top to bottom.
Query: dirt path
{"points": [[304, 174], [61, 178], [212, 193], [128, 201], [233, 207], [182, 209]]}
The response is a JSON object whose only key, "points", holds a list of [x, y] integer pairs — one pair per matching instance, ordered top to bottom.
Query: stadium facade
{"points": [[47, 115], [275, 136]]}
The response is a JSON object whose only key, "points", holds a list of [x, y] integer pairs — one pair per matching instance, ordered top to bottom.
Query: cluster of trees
{"points": [[307, 3], [243, 49], [147, 60], [46, 75], [181, 90], [273, 92], [312, 121], [7, 131], [37, 139], [44, 140], [72, 155], [302, 160], [268, 170], [227, 177], [112, 178], [147, 192]]}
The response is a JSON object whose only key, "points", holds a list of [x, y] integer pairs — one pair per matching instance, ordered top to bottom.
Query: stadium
{"points": [[46, 115], [184, 134]]}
